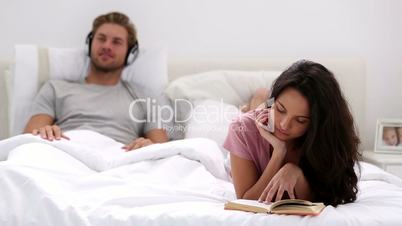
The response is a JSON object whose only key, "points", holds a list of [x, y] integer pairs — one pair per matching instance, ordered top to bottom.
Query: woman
{"points": [[314, 146]]}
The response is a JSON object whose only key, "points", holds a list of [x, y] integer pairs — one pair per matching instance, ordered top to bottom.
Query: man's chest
{"points": [[106, 105]]}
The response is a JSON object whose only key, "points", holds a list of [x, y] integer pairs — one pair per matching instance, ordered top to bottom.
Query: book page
{"points": [[292, 201], [252, 203], [249, 205], [286, 206], [314, 209]]}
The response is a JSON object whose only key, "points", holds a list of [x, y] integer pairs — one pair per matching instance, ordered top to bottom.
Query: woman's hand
{"points": [[262, 119], [137, 143], [284, 181]]}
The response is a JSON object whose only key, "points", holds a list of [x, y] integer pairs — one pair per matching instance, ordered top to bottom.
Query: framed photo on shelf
{"points": [[388, 138]]}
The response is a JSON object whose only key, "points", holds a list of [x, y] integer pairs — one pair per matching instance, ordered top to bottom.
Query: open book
{"points": [[286, 206]]}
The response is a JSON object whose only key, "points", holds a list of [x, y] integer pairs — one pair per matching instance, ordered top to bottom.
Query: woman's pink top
{"points": [[245, 141]]}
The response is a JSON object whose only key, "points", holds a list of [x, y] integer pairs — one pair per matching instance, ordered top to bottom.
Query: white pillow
{"points": [[64, 63], [149, 70], [233, 87], [211, 119]]}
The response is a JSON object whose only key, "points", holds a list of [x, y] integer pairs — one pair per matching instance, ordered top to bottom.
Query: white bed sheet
{"points": [[45, 183]]}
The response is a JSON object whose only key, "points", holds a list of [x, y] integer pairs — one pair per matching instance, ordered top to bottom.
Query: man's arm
{"points": [[43, 111], [38, 121], [43, 125], [152, 131], [157, 136], [151, 137]]}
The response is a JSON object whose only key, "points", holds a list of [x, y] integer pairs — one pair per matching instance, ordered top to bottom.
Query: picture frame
{"points": [[388, 138]]}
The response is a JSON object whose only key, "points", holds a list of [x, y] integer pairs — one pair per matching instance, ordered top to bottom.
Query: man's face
{"points": [[109, 47]]}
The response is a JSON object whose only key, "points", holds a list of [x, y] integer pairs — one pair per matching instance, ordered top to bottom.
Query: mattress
{"points": [[91, 181]]}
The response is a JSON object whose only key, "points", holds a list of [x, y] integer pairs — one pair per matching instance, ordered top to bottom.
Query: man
{"points": [[101, 101]]}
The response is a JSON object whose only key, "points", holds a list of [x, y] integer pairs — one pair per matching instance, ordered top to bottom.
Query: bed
{"points": [[184, 182]]}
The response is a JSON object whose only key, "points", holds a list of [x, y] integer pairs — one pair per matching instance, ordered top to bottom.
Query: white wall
{"points": [[371, 29]]}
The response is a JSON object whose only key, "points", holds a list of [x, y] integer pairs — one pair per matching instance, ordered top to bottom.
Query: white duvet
{"points": [[90, 180]]}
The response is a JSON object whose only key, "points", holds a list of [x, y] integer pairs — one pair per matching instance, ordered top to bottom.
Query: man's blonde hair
{"points": [[120, 19]]}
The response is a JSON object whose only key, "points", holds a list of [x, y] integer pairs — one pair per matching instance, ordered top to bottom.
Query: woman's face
{"points": [[292, 114]]}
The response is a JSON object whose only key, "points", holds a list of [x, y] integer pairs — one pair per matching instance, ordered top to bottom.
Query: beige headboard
{"points": [[4, 67], [350, 72]]}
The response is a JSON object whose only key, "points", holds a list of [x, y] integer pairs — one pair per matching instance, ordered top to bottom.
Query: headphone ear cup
{"points": [[88, 44], [132, 54]]}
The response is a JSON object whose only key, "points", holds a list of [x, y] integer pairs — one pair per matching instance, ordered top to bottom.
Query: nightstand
{"points": [[391, 163]]}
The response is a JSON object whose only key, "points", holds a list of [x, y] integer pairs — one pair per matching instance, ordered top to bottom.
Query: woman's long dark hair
{"points": [[329, 148]]}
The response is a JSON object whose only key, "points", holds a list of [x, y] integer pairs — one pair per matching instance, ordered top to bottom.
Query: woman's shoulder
{"points": [[244, 139]]}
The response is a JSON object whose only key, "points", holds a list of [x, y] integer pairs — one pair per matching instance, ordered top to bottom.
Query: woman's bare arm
{"points": [[245, 178]]}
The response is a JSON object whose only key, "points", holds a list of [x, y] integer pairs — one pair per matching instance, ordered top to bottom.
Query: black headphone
{"points": [[131, 55]]}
